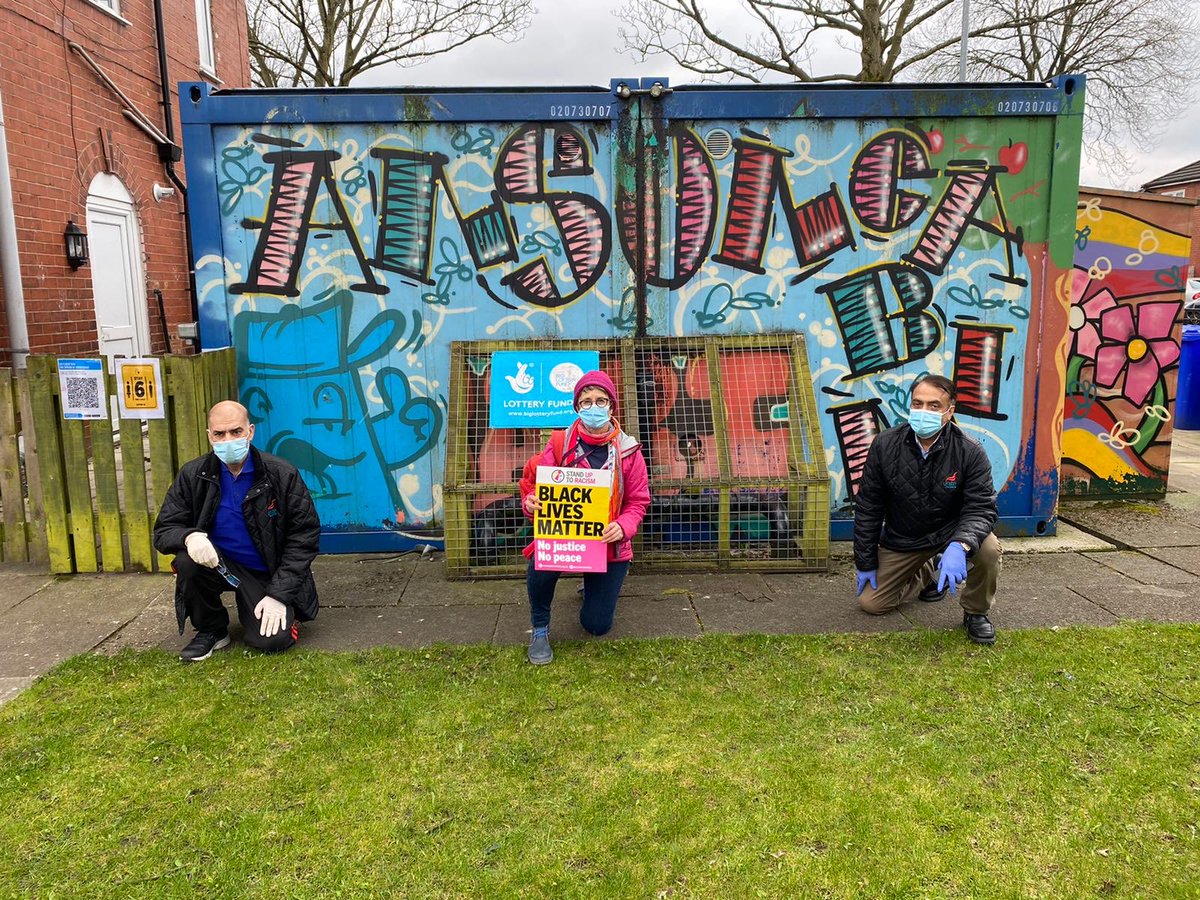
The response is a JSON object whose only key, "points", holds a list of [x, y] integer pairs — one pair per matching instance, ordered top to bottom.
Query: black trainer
{"points": [[979, 629], [203, 645]]}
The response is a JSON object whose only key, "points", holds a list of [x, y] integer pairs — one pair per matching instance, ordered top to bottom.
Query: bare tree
{"points": [[889, 37], [327, 43], [1138, 56]]}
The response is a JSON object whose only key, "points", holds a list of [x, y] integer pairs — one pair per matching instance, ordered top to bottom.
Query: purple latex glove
{"points": [[952, 570], [865, 578]]}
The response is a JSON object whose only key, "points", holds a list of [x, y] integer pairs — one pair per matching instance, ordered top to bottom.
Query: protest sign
{"points": [[573, 516]]}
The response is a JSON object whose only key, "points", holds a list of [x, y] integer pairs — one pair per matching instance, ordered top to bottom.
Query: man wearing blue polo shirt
{"points": [[243, 521]]}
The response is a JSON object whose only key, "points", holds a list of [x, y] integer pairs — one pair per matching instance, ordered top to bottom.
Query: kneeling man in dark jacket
{"points": [[927, 490], [243, 521]]}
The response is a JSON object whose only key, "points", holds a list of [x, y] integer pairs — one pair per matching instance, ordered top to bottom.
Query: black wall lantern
{"points": [[77, 246]]}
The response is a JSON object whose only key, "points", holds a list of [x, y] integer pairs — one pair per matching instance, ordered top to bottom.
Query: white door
{"points": [[118, 281]]}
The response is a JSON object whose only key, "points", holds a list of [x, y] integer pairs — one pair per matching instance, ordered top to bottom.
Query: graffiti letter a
{"points": [[295, 185]]}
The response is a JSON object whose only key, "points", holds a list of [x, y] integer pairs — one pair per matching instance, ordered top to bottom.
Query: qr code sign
{"points": [[82, 393]]}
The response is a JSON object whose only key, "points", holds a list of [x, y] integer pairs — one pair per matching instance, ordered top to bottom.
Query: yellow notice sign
{"points": [[139, 388], [573, 516]]}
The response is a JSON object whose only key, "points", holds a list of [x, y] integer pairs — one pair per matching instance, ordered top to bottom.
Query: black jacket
{"points": [[905, 502], [280, 517]]}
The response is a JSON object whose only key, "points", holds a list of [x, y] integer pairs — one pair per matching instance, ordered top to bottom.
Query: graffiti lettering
{"points": [[298, 178], [875, 193], [526, 215], [819, 227], [861, 306]]}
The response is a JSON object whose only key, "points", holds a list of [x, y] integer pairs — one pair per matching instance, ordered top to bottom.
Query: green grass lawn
{"points": [[1055, 764]]}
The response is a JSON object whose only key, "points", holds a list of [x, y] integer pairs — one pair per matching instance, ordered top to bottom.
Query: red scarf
{"points": [[575, 455]]}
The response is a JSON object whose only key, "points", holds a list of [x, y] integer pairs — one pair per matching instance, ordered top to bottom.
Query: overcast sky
{"points": [[576, 42]]}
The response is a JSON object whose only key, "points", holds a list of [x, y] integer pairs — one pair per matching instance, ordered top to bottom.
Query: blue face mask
{"points": [[594, 417], [925, 422], [232, 452]]}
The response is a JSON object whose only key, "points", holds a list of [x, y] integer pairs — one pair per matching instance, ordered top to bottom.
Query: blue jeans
{"points": [[600, 591]]}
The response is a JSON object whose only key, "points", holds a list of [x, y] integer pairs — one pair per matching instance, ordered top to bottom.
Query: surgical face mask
{"points": [[594, 417], [925, 422], [232, 452]]}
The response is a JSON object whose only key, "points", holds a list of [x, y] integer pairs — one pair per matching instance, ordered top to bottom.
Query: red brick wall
{"points": [[54, 108], [1192, 192]]}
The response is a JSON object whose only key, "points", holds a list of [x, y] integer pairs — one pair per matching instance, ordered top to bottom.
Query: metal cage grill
{"points": [[730, 435]]}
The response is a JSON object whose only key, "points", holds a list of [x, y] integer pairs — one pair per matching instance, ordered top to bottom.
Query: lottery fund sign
{"points": [[139, 388], [536, 388], [573, 515]]}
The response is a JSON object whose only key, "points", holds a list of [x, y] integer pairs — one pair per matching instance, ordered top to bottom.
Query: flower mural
{"points": [[1085, 314], [1139, 345], [1123, 366]]}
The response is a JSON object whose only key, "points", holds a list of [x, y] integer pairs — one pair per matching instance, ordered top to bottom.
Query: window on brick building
{"points": [[112, 6], [204, 34]]}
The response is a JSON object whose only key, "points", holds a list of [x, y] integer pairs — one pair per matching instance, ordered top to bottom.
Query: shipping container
{"points": [[346, 238]]}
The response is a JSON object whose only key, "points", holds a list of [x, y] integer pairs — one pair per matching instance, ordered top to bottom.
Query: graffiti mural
{"points": [[344, 258], [1126, 295]]}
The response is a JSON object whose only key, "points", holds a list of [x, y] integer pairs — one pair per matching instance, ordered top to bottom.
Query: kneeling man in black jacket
{"points": [[927, 490], [243, 521]]}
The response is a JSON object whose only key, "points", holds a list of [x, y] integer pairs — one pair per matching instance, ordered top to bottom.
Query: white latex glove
{"points": [[201, 549], [272, 614]]}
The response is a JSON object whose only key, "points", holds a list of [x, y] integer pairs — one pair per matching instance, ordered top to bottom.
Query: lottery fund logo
{"points": [[565, 376], [522, 382], [557, 476]]}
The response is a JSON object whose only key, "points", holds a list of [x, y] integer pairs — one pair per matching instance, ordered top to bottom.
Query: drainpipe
{"points": [[170, 154], [10, 260]]}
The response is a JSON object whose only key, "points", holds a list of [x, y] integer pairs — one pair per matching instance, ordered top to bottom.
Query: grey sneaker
{"points": [[539, 652]]}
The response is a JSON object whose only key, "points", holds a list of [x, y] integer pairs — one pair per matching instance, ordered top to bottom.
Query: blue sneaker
{"points": [[539, 652]]}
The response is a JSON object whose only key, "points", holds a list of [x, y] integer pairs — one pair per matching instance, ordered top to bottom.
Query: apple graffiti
{"points": [[1014, 156]]}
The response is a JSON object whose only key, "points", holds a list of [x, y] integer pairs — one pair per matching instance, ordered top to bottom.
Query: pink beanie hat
{"points": [[596, 378]]}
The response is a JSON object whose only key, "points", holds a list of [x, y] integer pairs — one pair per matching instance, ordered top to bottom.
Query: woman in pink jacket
{"points": [[594, 441]]}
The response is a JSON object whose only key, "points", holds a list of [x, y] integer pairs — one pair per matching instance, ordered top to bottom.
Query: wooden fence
{"points": [[82, 496]]}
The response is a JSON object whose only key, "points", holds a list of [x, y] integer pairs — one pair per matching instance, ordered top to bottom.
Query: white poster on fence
{"points": [[81, 387], [139, 388]]}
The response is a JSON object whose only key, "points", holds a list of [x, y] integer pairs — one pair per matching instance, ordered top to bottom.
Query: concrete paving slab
{"points": [[1136, 523], [1067, 539], [1186, 558], [1143, 568], [1022, 573], [372, 579], [812, 584], [693, 585], [16, 586], [429, 587], [108, 599], [1053, 605], [1154, 607], [793, 612], [942, 615], [69, 616], [671, 616], [153, 627], [411, 627], [34, 647], [10, 687]]}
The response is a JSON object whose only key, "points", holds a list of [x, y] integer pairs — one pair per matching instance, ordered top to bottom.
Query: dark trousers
{"points": [[202, 588], [600, 591]]}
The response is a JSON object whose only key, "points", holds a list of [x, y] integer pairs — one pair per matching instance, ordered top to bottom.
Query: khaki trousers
{"points": [[901, 576]]}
